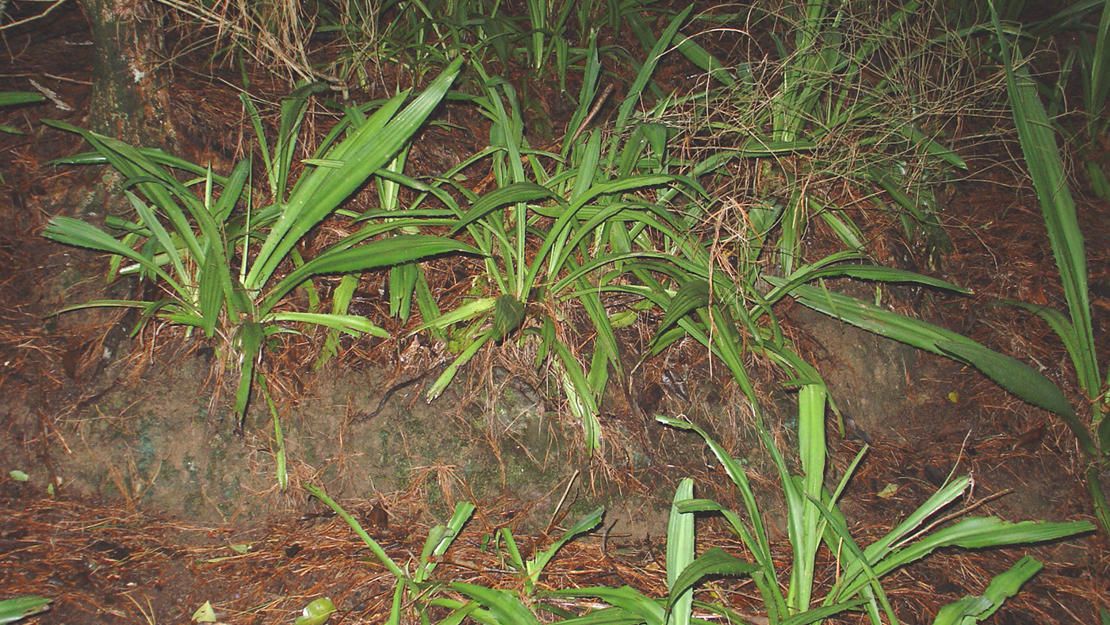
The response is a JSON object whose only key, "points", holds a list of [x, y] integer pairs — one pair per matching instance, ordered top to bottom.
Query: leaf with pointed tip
{"points": [[383, 253], [693, 294], [716, 561]]}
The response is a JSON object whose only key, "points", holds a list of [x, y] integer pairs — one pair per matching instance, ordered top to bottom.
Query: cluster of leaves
{"points": [[609, 213], [220, 266], [814, 522]]}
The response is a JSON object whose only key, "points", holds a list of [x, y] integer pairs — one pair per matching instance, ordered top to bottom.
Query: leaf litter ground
{"points": [[118, 560]]}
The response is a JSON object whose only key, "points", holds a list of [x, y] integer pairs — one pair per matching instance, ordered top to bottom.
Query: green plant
{"points": [[1088, 60], [15, 98], [1042, 157], [554, 225], [221, 267], [813, 519], [814, 523], [531, 569], [684, 571], [413, 583], [12, 610], [971, 610]]}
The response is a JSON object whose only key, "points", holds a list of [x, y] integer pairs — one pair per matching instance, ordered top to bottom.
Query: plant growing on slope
{"points": [[1042, 157], [547, 232], [220, 260], [813, 520]]}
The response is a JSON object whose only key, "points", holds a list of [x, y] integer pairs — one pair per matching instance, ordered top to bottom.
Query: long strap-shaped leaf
{"points": [[364, 151], [1042, 158], [1013, 375]]}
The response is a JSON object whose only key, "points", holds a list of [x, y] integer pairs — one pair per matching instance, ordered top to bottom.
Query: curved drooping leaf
{"points": [[320, 191], [383, 253], [1014, 376], [715, 561], [507, 609]]}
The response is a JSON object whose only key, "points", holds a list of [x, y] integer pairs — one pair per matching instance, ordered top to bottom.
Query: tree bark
{"points": [[130, 98]]}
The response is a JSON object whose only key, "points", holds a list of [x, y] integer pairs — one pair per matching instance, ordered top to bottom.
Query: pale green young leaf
{"points": [[466, 312], [351, 324], [452, 369], [579, 394], [437, 546], [680, 555], [626, 598], [507, 609], [12, 610]]}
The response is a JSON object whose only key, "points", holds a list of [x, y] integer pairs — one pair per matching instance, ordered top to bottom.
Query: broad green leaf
{"points": [[703, 59], [12, 98], [1046, 168], [321, 191], [511, 194], [80, 234], [381, 253], [211, 294], [692, 295], [340, 301], [465, 312], [351, 324], [249, 348], [1015, 376], [579, 394], [979, 533], [756, 541], [437, 547], [715, 561], [625, 598], [507, 609], [12, 610], [970, 610], [316, 612]]}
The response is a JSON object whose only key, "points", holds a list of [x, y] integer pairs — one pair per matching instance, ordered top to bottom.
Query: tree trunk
{"points": [[130, 99]]}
